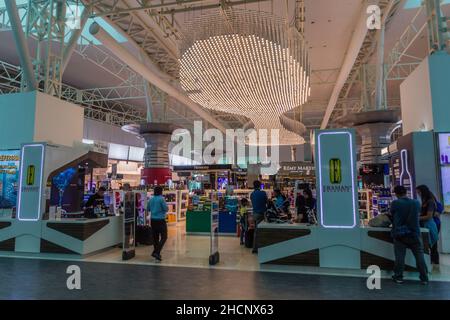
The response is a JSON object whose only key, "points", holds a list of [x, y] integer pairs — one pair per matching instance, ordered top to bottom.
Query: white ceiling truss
{"points": [[153, 27]]}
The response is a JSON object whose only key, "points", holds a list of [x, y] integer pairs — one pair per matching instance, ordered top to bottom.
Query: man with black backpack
{"points": [[406, 234]]}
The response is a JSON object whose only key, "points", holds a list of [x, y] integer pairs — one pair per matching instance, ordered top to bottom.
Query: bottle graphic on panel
{"points": [[405, 175]]}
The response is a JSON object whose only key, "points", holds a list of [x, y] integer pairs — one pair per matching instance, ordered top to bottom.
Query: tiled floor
{"points": [[183, 250], [189, 251], [185, 274], [46, 279]]}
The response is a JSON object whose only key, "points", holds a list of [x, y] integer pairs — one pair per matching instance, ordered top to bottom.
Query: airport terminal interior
{"points": [[252, 149]]}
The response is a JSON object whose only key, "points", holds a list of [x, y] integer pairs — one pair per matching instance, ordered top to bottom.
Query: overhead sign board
{"points": [[296, 168], [336, 178]]}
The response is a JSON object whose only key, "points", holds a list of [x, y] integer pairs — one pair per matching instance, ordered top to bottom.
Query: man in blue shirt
{"points": [[259, 204], [157, 207], [406, 234]]}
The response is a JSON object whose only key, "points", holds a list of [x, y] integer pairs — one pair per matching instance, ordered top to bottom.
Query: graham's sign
{"points": [[335, 171], [31, 173], [336, 178]]}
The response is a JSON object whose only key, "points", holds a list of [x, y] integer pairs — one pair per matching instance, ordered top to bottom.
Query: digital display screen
{"points": [[444, 148], [445, 175], [9, 178], [222, 182]]}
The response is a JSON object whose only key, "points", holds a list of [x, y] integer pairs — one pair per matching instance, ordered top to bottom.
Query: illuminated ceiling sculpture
{"points": [[248, 63]]}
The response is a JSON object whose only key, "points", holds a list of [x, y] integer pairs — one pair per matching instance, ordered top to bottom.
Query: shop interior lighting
{"points": [[247, 63], [87, 141]]}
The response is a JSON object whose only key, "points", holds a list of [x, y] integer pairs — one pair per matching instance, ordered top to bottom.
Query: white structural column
{"points": [[359, 34], [72, 43], [21, 45], [150, 75]]}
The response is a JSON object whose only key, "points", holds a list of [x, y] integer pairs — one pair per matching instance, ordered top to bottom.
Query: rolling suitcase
{"points": [[144, 235]]}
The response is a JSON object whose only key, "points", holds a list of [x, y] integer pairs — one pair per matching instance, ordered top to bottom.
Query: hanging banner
{"points": [[31, 174], [336, 178], [118, 198], [140, 200]]}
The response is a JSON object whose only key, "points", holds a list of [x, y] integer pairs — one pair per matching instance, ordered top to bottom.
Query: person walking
{"points": [[259, 204], [157, 207], [427, 214], [406, 234]]}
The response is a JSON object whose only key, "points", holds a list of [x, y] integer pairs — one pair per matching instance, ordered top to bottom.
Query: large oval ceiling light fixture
{"points": [[248, 63]]}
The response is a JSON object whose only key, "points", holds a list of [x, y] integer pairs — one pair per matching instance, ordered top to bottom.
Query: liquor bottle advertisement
{"points": [[444, 148]]}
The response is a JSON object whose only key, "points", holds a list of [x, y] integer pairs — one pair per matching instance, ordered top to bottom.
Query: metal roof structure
{"points": [[343, 76]]}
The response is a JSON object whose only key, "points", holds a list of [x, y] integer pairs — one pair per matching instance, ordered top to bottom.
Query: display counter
{"points": [[199, 222], [227, 223], [76, 237], [303, 245]]}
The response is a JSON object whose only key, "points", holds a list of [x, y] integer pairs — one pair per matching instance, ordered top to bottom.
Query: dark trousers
{"points": [[258, 218], [243, 226], [159, 230], [415, 245], [434, 254]]}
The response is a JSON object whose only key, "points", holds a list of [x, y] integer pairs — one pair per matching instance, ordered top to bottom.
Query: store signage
{"points": [[100, 147], [204, 167], [296, 168], [31, 170], [335, 171], [31, 176], [336, 178]]}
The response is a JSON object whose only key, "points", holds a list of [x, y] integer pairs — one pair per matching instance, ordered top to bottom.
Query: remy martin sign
{"points": [[296, 169], [336, 178]]}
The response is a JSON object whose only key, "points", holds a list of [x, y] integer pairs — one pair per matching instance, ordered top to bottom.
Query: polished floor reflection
{"points": [[183, 250], [189, 251], [46, 279]]}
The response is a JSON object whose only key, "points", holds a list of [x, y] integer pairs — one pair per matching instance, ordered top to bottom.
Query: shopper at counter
{"points": [[96, 200], [259, 204], [306, 206], [157, 207], [427, 214], [406, 234]]}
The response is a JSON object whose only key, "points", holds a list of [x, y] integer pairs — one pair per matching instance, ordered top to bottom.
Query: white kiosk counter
{"points": [[77, 237], [303, 245]]}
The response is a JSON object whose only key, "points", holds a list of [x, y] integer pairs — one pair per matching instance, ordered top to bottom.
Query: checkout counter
{"points": [[29, 230], [73, 236], [339, 240], [304, 245]]}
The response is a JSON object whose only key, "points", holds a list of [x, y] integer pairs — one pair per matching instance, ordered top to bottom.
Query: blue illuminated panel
{"points": [[31, 175], [336, 176]]}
